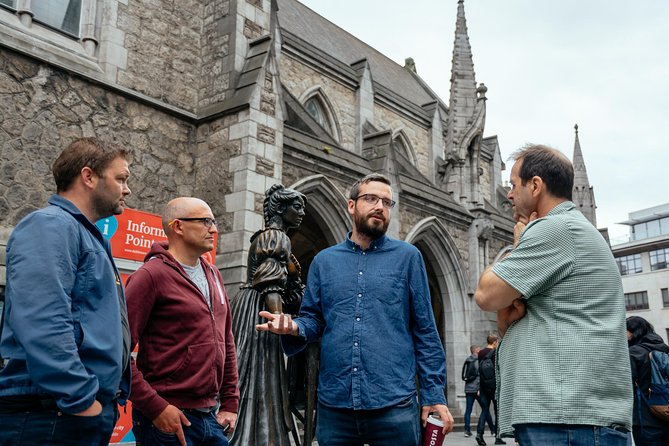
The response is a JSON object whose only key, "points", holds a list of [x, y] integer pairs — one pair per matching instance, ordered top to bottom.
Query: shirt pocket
{"points": [[387, 287]]}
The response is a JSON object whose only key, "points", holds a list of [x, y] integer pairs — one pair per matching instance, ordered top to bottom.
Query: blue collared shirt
{"points": [[372, 309]]}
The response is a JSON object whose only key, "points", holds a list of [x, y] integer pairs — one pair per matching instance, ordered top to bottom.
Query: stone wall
{"points": [[163, 43], [299, 78], [214, 81], [42, 109], [419, 137]]}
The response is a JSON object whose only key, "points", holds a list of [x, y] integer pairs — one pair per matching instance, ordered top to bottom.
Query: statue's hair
{"points": [[276, 198]]}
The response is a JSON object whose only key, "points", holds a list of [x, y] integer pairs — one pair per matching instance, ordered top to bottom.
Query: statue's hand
{"points": [[273, 302], [278, 323]]}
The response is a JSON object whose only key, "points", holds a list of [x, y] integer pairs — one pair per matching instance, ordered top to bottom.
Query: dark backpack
{"points": [[469, 371], [487, 372], [658, 392]]}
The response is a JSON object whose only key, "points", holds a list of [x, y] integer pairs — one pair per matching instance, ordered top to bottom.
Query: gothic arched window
{"points": [[319, 107], [315, 108], [401, 145]]}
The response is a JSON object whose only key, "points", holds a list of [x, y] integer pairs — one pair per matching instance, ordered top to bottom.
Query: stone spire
{"points": [[463, 99], [461, 167], [583, 194]]}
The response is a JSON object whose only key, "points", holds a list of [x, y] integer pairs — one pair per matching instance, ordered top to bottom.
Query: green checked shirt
{"points": [[566, 361]]}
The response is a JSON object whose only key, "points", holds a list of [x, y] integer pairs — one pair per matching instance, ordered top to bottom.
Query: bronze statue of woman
{"points": [[273, 281]]}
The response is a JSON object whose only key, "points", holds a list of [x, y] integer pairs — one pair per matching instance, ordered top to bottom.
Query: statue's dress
{"points": [[264, 416]]}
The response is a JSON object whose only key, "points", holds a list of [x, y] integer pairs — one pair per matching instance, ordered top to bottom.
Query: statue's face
{"points": [[294, 213]]}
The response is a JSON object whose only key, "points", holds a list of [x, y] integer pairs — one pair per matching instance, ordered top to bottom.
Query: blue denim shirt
{"points": [[372, 308], [62, 335]]}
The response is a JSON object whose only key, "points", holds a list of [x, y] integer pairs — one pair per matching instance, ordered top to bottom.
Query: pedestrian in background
{"points": [[470, 375], [487, 392], [648, 430]]}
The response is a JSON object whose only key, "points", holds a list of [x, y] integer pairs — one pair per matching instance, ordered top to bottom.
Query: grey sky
{"points": [[548, 64]]}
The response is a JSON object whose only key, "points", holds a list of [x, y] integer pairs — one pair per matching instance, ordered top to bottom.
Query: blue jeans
{"points": [[471, 397], [397, 425], [51, 427], [203, 430], [568, 435], [651, 435]]}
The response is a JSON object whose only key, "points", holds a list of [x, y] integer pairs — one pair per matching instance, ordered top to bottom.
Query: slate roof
{"points": [[299, 20]]}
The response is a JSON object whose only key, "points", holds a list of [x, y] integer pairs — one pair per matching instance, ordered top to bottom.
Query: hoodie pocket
{"points": [[196, 368]]}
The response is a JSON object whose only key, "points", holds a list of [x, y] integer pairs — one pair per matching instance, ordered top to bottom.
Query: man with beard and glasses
{"points": [[368, 298], [66, 340]]}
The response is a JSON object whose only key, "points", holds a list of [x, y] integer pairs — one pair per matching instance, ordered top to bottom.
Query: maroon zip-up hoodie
{"points": [[186, 350]]}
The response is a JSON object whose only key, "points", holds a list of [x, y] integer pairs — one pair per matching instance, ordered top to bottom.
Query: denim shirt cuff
{"points": [[292, 345], [431, 396]]}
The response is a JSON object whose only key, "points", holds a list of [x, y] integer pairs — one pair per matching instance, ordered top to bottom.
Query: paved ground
{"points": [[459, 439]]}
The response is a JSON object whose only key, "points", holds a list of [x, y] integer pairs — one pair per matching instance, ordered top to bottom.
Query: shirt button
{"points": [[363, 253], [360, 273], [360, 295], [357, 319], [355, 344], [355, 369]]}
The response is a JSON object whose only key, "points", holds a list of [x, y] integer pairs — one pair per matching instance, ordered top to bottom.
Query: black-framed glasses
{"points": [[372, 199], [206, 221]]}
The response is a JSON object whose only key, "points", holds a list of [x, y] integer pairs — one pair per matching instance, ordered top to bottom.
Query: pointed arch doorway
{"points": [[447, 281]]}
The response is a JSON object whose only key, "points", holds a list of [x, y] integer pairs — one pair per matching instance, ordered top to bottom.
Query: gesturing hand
{"points": [[277, 323]]}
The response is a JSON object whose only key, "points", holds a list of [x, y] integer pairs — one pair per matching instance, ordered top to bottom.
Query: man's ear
{"points": [[88, 177], [537, 185], [351, 206]]}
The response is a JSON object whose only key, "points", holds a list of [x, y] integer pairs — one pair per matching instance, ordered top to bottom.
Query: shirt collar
{"points": [[69, 207], [561, 208], [376, 244]]}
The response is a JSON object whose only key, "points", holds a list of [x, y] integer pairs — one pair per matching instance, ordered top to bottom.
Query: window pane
{"points": [[10, 3], [60, 14], [315, 109], [664, 225], [653, 228], [640, 231], [658, 259], [629, 264], [665, 297], [636, 301]]}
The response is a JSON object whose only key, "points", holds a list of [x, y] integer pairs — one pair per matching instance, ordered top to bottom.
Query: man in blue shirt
{"points": [[368, 298], [65, 341]]}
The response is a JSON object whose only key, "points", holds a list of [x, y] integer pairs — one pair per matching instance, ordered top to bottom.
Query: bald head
{"points": [[182, 207]]}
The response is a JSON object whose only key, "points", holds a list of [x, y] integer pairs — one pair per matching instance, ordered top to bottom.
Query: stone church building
{"points": [[220, 99]]}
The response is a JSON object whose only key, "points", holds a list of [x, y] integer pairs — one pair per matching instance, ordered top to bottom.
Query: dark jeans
{"points": [[471, 398], [484, 400], [392, 426], [51, 427], [203, 431], [569, 435], [651, 436]]}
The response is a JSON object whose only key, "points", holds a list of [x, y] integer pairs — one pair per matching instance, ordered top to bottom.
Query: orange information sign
{"points": [[132, 233]]}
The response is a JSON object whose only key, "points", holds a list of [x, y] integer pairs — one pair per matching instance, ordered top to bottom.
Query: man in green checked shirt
{"points": [[563, 367]]}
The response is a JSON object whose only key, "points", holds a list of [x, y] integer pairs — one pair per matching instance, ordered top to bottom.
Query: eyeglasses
{"points": [[372, 199], [206, 221]]}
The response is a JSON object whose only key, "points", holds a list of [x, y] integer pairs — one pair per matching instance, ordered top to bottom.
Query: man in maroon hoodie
{"points": [[184, 383]]}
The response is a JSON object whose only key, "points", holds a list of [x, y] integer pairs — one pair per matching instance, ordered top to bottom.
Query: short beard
{"points": [[105, 209], [374, 232]]}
